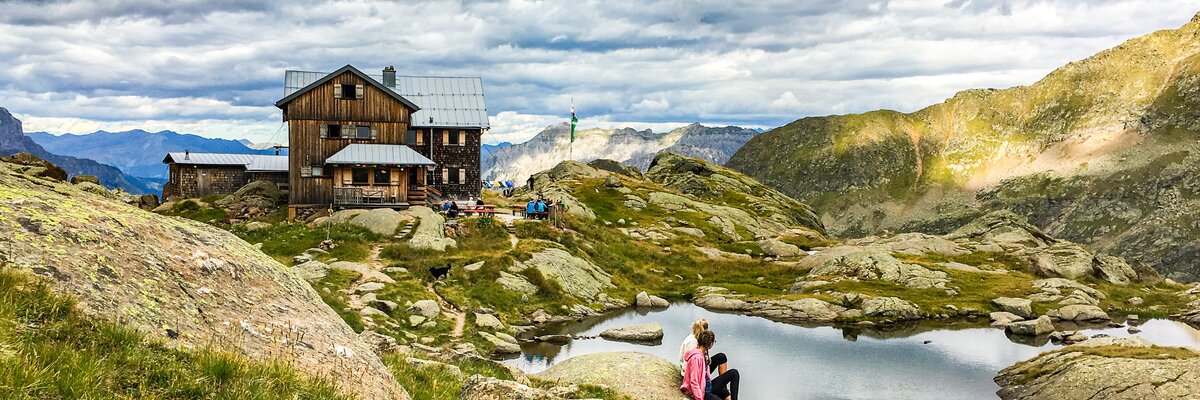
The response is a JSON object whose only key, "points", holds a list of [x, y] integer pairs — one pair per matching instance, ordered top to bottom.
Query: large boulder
{"points": [[77, 179], [254, 199], [382, 221], [1005, 228], [430, 232], [1063, 260], [869, 264], [578, 277], [516, 283], [185, 284], [644, 299], [1021, 307], [425, 308], [1079, 312], [639, 332], [1104, 368], [637, 375]]}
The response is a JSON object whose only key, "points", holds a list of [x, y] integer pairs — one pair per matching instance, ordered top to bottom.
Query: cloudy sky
{"points": [[215, 68]]}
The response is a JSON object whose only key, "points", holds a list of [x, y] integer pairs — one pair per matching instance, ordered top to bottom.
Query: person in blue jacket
{"points": [[530, 209], [541, 209]]}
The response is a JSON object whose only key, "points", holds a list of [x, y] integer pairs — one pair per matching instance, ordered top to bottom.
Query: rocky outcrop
{"points": [[255, 199], [868, 264], [578, 277], [186, 284], [800, 310], [1078, 312], [1104, 368], [637, 375], [479, 387]]}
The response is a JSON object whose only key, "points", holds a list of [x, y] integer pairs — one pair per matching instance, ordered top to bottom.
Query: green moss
{"points": [[49, 350]]}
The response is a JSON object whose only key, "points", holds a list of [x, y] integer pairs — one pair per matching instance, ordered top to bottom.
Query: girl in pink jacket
{"points": [[697, 383]]}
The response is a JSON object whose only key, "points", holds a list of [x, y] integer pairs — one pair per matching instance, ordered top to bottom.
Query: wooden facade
{"points": [[310, 116]]}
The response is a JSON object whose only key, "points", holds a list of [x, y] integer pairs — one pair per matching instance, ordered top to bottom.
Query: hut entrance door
{"points": [[203, 183]]}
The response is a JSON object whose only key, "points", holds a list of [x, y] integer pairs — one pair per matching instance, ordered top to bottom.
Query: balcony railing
{"points": [[364, 196]]}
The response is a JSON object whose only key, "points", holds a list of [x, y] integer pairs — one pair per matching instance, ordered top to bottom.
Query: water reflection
{"points": [[781, 361]]}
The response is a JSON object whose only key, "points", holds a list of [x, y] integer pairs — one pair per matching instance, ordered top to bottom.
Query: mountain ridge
{"points": [[13, 140], [637, 148], [1101, 151], [138, 152]]}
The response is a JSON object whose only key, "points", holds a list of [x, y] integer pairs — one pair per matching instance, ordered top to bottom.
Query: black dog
{"points": [[439, 272]]}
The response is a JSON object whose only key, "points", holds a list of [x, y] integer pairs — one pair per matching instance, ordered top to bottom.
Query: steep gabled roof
{"points": [[291, 96], [452, 101]]}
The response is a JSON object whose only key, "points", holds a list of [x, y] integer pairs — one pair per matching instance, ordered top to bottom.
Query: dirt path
{"points": [[373, 258], [460, 319]]}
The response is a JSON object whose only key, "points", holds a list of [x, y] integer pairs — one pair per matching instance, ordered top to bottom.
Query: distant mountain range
{"points": [[13, 140], [633, 147], [137, 152]]}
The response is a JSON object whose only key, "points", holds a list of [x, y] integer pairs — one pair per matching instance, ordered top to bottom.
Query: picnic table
{"points": [[486, 209]]}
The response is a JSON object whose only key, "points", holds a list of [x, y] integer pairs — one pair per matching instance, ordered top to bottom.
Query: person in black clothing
{"points": [[479, 202], [453, 211]]}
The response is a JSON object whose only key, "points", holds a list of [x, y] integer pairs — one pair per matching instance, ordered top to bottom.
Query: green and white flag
{"points": [[573, 122]]}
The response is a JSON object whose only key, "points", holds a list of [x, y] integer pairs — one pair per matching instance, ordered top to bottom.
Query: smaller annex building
{"points": [[201, 174]]}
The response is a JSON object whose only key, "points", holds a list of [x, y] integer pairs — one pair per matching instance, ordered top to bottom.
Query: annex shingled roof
{"points": [[451, 101], [378, 154]]}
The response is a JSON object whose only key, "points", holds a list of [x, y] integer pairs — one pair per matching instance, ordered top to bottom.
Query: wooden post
{"points": [[291, 213]]}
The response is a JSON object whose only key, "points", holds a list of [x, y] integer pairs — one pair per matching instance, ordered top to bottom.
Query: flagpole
{"points": [[571, 145]]}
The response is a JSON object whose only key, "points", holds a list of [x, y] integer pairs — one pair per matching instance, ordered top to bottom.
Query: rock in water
{"points": [[149, 271], [646, 300], [1037, 327], [639, 332], [1081, 372], [637, 375]]}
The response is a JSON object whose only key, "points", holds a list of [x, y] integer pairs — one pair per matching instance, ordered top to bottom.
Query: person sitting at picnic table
{"points": [[479, 202], [446, 206], [530, 209], [541, 209], [453, 211]]}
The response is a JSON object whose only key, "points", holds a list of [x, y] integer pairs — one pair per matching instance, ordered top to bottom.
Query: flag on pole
{"points": [[573, 122]]}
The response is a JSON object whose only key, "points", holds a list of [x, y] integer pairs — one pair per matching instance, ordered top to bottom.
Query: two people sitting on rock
{"points": [[698, 366]]}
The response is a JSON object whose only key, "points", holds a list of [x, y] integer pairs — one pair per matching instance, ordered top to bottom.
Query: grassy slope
{"points": [[49, 350]]}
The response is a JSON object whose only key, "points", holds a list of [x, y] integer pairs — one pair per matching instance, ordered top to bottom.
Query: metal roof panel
{"points": [[383, 154]]}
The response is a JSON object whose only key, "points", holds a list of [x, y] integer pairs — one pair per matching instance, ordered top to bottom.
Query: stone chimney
{"points": [[389, 77]]}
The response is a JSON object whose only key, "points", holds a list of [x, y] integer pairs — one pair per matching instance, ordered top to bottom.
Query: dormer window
{"points": [[347, 91]]}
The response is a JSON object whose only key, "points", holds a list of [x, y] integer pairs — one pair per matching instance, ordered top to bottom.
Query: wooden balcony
{"points": [[368, 197]]}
